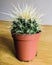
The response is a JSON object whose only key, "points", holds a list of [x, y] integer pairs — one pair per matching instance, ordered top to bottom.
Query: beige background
{"points": [[43, 6]]}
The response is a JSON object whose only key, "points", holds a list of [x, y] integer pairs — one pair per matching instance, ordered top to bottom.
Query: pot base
{"points": [[25, 60]]}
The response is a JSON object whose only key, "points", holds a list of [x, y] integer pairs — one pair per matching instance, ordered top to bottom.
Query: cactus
{"points": [[21, 26]]}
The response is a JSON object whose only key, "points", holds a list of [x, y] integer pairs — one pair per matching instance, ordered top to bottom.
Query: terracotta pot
{"points": [[26, 45]]}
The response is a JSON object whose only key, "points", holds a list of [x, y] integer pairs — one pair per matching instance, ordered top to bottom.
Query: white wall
{"points": [[45, 6]]}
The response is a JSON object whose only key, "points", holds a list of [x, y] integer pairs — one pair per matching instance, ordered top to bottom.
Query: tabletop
{"points": [[7, 50]]}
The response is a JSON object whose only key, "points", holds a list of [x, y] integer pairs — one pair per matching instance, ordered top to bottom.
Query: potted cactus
{"points": [[26, 32], [25, 36]]}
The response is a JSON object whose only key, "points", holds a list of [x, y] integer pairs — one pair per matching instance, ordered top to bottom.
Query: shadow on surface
{"points": [[7, 43]]}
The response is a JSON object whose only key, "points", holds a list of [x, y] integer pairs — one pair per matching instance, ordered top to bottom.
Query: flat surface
{"points": [[7, 51]]}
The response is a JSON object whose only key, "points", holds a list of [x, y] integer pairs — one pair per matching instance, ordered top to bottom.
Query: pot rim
{"points": [[25, 37]]}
